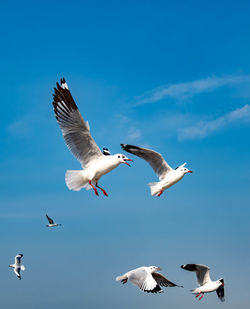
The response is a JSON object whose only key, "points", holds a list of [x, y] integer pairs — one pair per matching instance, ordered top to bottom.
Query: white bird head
{"points": [[122, 159], [183, 169], [153, 269], [220, 282]]}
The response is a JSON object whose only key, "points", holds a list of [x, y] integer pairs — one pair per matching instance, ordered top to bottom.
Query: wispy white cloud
{"points": [[182, 91], [204, 128], [133, 134]]}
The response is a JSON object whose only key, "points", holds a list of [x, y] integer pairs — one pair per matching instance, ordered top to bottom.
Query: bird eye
{"points": [[119, 156], [123, 157]]}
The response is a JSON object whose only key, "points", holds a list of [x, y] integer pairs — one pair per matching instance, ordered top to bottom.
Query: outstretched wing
{"points": [[74, 129], [155, 159], [50, 220], [18, 259], [17, 272], [202, 272], [144, 281], [162, 281], [220, 291]]}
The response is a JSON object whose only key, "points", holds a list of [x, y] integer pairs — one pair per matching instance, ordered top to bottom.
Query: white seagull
{"points": [[76, 133], [166, 174], [51, 222], [17, 267], [147, 279], [206, 284]]}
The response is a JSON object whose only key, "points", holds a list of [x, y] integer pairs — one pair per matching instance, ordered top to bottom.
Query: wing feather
{"points": [[74, 129], [154, 158], [202, 272], [162, 281]]}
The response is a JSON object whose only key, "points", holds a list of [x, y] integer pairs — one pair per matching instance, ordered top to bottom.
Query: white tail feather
{"points": [[75, 180], [155, 188], [22, 267]]}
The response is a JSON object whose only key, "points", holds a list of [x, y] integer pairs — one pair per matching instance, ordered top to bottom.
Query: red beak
{"points": [[127, 160], [190, 171]]}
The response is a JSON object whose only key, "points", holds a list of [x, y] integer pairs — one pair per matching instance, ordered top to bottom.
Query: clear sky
{"points": [[170, 75]]}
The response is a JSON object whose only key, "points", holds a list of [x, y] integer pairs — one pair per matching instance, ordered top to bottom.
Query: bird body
{"points": [[76, 133], [167, 176], [17, 267], [146, 278], [205, 282]]}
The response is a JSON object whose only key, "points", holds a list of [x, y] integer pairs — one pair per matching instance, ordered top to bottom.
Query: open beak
{"points": [[127, 162], [190, 171], [158, 268]]}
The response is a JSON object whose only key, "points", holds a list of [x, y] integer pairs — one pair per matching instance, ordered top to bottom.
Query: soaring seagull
{"points": [[76, 133], [166, 174], [51, 222], [17, 267], [147, 279], [206, 284]]}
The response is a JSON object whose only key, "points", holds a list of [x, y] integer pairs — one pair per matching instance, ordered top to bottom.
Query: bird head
{"points": [[123, 159], [183, 169], [153, 269], [220, 282]]}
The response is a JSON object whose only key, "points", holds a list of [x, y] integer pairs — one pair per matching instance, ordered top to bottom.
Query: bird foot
{"points": [[103, 191], [96, 193], [160, 193], [124, 281], [201, 297]]}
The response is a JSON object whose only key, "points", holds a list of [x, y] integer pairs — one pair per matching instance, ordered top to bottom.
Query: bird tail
{"points": [[76, 180], [155, 188], [22, 267]]}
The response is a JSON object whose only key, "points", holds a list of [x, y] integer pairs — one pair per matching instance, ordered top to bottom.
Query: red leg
{"points": [[103, 191], [96, 193], [160, 193], [124, 281], [198, 295], [201, 296]]}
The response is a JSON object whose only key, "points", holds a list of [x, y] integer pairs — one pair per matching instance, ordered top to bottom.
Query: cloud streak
{"points": [[182, 91], [204, 128]]}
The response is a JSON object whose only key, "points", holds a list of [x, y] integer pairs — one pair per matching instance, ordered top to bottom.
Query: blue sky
{"points": [[171, 75]]}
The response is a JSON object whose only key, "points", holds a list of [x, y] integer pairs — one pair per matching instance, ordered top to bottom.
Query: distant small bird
{"points": [[76, 133], [106, 152], [166, 174], [51, 222], [17, 267], [147, 279], [206, 284]]}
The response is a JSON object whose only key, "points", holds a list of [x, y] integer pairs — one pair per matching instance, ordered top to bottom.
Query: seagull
{"points": [[76, 133], [106, 152], [166, 174], [51, 222], [17, 267], [147, 279], [206, 284]]}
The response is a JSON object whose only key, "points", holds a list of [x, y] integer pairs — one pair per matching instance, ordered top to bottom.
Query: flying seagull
{"points": [[76, 133], [166, 174], [51, 222], [17, 267], [147, 279], [206, 284]]}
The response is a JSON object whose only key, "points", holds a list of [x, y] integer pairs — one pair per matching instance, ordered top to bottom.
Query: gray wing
{"points": [[74, 129], [155, 159], [50, 220], [18, 259], [202, 272], [144, 281], [162, 281], [220, 291]]}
